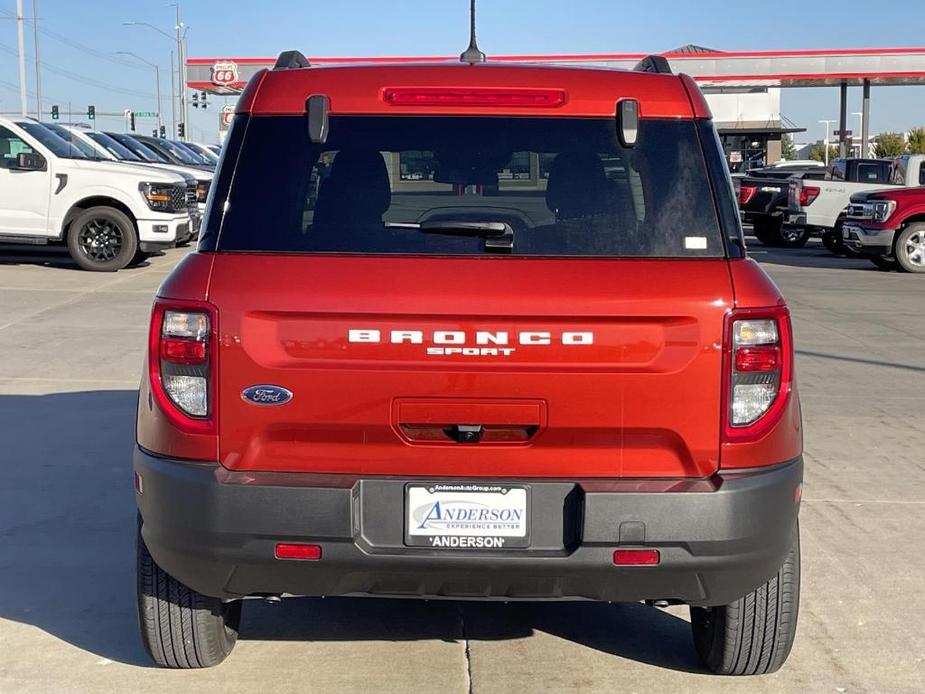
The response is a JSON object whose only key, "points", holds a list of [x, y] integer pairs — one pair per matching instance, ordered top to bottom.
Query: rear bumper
{"points": [[216, 531]]}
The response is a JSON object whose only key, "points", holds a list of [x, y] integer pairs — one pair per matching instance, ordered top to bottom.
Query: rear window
{"points": [[465, 186]]}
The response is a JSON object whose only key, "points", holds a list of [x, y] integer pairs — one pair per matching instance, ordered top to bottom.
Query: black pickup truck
{"points": [[763, 200]]}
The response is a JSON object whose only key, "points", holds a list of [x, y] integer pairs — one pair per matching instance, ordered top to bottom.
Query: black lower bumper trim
{"points": [[155, 246], [716, 541]]}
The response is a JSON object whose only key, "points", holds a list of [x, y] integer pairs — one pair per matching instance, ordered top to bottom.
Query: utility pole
{"points": [[38, 72], [181, 87], [173, 97], [23, 104]]}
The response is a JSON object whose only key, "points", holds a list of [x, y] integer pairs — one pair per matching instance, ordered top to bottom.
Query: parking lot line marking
{"points": [[73, 300]]}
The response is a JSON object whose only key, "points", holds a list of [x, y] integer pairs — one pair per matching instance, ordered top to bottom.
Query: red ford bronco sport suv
{"points": [[470, 331]]}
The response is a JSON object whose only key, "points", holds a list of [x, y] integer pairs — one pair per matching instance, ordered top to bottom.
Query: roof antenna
{"points": [[472, 54]]}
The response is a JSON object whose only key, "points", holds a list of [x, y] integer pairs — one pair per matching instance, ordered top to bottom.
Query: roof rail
{"points": [[291, 59], [653, 63]]}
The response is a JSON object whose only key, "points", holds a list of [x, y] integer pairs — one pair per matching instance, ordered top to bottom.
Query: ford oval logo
{"points": [[267, 395]]}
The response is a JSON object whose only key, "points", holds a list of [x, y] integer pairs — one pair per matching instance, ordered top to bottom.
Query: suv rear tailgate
{"points": [[614, 368]]}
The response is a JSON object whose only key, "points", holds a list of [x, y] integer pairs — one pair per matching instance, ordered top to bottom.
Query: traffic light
{"points": [[195, 100], [203, 101], [54, 112], [91, 112], [131, 121], [181, 130], [163, 132]]}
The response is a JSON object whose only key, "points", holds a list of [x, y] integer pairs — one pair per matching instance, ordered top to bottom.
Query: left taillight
{"points": [[746, 193], [808, 195], [182, 363], [759, 371]]}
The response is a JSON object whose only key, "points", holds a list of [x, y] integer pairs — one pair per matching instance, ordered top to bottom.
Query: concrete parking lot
{"points": [[71, 346]]}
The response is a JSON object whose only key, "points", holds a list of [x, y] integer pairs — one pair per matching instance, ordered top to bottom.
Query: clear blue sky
{"points": [[415, 27]]}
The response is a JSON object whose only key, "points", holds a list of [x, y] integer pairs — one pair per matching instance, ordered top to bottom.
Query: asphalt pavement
{"points": [[71, 346]]}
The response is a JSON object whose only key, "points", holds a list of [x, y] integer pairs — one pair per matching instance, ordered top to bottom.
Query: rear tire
{"points": [[767, 231], [793, 237], [102, 239], [909, 248], [884, 263], [181, 628], [753, 635]]}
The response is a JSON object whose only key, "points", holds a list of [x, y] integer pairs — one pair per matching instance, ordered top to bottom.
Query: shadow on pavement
{"points": [[814, 255], [50, 256], [67, 528]]}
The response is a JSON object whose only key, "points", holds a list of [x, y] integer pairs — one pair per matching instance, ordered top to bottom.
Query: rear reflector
{"points": [[461, 96], [182, 350], [766, 358], [297, 551], [636, 557]]}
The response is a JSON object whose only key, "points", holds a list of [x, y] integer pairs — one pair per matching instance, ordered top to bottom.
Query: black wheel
{"points": [[767, 231], [793, 237], [102, 239], [832, 240], [909, 248], [884, 263], [181, 628], [753, 635]]}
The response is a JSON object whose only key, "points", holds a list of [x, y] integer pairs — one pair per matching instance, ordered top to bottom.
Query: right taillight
{"points": [[746, 193], [808, 194], [182, 363], [759, 368]]}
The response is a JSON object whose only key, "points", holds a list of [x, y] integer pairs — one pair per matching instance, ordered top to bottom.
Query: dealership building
{"points": [[743, 88]]}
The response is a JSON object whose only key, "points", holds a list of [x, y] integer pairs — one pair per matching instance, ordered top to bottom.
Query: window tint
{"points": [[47, 138], [72, 139], [11, 145], [114, 147], [562, 187]]}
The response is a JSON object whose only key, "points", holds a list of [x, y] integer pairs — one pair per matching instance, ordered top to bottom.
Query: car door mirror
{"points": [[30, 161]]}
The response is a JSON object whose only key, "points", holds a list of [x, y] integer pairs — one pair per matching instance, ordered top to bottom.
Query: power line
{"points": [[101, 55], [80, 78]]}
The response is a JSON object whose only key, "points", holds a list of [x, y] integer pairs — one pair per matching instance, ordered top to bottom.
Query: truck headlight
{"points": [[202, 191], [162, 197], [880, 210]]}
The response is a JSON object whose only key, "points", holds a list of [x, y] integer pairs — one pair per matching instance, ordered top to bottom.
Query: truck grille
{"points": [[178, 196], [190, 197], [856, 210]]}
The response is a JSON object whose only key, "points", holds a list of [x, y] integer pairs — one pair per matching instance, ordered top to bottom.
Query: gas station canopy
{"points": [[712, 69]]}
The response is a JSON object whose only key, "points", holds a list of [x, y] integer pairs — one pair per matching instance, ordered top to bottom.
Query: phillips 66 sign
{"points": [[224, 72]]}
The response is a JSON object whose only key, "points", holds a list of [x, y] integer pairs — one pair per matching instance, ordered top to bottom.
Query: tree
{"points": [[917, 141], [889, 145], [787, 150], [817, 152]]}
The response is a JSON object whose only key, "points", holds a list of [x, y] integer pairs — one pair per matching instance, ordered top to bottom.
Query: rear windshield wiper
{"points": [[498, 236]]}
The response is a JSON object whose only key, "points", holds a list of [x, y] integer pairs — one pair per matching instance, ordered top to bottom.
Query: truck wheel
{"points": [[766, 232], [793, 237], [102, 239], [909, 248], [883, 262], [181, 628], [753, 635]]}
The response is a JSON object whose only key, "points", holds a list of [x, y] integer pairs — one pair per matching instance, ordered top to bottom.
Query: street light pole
{"points": [[180, 60], [38, 72], [157, 79], [173, 98], [23, 104], [828, 124]]}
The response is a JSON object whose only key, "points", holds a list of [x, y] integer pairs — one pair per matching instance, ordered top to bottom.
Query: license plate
{"points": [[467, 515]]}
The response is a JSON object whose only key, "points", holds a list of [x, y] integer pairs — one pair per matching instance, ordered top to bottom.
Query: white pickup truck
{"points": [[819, 207], [106, 213]]}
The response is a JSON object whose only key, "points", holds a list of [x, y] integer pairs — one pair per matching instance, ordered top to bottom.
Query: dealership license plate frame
{"points": [[444, 491]]}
